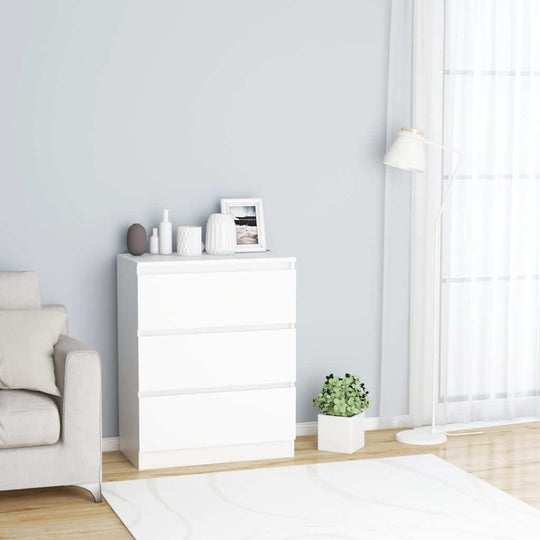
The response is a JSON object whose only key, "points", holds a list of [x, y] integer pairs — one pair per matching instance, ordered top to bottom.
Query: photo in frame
{"points": [[249, 221]]}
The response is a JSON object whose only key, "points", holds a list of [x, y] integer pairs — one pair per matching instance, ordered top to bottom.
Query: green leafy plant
{"points": [[342, 396]]}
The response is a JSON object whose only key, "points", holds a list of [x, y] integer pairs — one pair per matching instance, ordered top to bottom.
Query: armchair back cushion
{"points": [[19, 290], [27, 339]]}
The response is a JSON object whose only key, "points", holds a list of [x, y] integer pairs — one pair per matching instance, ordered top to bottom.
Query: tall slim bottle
{"points": [[165, 235]]}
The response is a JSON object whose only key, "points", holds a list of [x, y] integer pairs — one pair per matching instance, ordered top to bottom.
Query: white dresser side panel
{"points": [[216, 300], [191, 361], [128, 373], [217, 419]]}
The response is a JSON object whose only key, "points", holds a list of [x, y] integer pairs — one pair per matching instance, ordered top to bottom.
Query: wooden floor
{"points": [[507, 457]]}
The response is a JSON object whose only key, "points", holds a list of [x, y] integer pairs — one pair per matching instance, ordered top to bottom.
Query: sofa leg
{"points": [[94, 489]]}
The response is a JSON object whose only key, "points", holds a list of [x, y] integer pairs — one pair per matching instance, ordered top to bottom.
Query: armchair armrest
{"points": [[78, 377]]}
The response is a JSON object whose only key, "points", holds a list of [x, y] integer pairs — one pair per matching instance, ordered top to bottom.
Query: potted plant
{"points": [[341, 402]]}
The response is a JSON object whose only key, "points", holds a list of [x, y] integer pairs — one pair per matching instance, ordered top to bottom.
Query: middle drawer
{"points": [[213, 360]]}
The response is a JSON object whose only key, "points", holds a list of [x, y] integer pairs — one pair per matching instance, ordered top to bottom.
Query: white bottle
{"points": [[165, 235], [154, 242]]}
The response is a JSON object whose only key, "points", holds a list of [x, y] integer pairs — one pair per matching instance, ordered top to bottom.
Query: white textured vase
{"points": [[220, 235], [189, 241]]}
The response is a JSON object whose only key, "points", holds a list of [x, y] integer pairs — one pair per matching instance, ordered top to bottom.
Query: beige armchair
{"points": [[47, 440]]}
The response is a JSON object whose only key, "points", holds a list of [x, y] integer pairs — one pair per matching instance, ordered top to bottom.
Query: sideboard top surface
{"points": [[147, 258]]}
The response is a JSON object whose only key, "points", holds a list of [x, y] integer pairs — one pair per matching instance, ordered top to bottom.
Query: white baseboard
{"points": [[371, 423], [306, 428], [112, 444]]}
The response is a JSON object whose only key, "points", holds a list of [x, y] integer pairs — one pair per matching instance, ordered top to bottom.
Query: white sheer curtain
{"points": [[476, 86], [490, 313], [394, 388]]}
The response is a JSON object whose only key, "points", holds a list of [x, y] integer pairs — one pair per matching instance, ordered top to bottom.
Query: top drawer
{"points": [[188, 301]]}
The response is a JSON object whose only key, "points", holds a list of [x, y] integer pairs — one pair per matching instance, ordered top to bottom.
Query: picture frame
{"points": [[249, 221]]}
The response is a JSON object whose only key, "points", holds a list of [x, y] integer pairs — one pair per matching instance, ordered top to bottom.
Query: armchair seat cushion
{"points": [[27, 419]]}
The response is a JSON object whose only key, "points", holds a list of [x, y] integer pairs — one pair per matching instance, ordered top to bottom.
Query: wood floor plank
{"points": [[507, 457]]}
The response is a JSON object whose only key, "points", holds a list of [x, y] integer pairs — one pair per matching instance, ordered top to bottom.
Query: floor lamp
{"points": [[408, 153]]}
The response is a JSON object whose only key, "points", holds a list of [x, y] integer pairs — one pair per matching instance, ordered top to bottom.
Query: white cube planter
{"points": [[343, 434]]}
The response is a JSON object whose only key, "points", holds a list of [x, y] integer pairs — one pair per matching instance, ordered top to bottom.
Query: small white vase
{"points": [[220, 235], [189, 241], [154, 242], [343, 434]]}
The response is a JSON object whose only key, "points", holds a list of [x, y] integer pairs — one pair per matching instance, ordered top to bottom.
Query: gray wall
{"points": [[112, 110]]}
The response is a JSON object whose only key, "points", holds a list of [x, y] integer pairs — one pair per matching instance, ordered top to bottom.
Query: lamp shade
{"points": [[407, 151]]}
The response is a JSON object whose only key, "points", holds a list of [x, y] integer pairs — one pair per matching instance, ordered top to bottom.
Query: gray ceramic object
{"points": [[136, 239]]}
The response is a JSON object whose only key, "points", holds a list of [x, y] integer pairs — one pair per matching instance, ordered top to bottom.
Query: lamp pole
{"points": [[436, 286]]}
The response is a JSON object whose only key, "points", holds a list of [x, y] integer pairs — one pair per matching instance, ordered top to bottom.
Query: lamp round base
{"points": [[421, 437]]}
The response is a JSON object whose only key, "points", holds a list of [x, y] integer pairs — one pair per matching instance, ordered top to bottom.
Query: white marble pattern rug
{"points": [[405, 498]]}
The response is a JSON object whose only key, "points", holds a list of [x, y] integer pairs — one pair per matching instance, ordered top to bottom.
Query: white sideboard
{"points": [[206, 358]]}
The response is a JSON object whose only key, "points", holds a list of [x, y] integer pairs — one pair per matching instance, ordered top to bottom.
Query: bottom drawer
{"points": [[216, 419]]}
